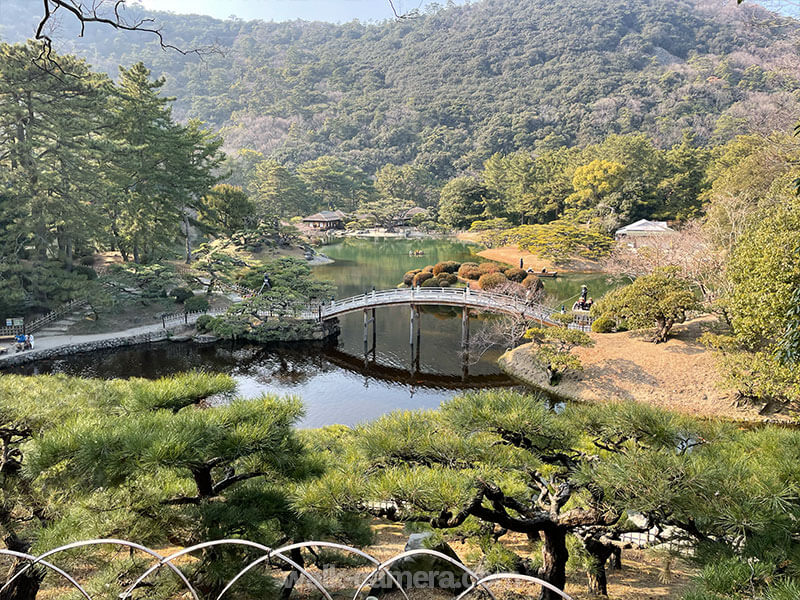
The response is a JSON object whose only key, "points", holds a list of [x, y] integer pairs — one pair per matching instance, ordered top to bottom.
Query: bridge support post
{"points": [[367, 321], [374, 335], [414, 337], [465, 342]]}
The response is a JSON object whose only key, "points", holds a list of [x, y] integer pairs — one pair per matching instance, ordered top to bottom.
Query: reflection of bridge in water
{"points": [[465, 298], [415, 379]]}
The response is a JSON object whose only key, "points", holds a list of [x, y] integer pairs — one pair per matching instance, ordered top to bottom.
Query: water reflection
{"points": [[332, 379], [335, 387]]}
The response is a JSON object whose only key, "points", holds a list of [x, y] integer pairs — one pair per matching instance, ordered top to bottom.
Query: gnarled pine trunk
{"points": [[554, 561], [596, 572], [26, 586]]}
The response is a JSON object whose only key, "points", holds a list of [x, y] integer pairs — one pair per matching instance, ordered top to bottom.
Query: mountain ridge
{"points": [[454, 86]]}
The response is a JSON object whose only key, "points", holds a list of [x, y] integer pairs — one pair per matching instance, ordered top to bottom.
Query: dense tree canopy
{"points": [[447, 90]]}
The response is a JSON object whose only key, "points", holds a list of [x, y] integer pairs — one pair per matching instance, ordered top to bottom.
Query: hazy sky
{"points": [[282, 10]]}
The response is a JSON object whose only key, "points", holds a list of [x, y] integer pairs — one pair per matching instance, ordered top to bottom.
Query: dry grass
{"points": [[512, 254], [680, 375], [639, 579]]}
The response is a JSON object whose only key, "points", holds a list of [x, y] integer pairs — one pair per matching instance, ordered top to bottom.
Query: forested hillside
{"points": [[448, 89]]}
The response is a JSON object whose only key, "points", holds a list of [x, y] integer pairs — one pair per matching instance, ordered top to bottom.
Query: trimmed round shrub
{"points": [[447, 266], [466, 267], [489, 267], [428, 269], [516, 274], [409, 276], [421, 278], [450, 278], [491, 280], [432, 282], [532, 282], [444, 283], [181, 294], [195, 304], [203, 323], [603, 325]]}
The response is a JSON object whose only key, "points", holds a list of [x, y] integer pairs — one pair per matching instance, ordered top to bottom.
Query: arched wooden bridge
{"points": [[434, 296], [465, 298]]}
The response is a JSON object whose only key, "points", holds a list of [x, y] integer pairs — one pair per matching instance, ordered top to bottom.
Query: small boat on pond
{"points": [[417, 253], [543, 273]]}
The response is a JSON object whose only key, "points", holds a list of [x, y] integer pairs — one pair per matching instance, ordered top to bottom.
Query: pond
{"points": [[335, 383]]}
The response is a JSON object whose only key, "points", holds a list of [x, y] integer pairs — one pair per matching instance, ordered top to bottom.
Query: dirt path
{"points": [[57, 341], [680, 375]]}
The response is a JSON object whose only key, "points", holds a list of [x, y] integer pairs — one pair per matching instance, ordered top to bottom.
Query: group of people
{"points": [[23, 342]]}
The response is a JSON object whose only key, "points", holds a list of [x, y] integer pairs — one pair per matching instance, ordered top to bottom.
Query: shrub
{"points": [[487, 224], [87, 261], [447, 266], [466, 266], [489, 267], [428, 269], [469, 270], [89, 272], [516, 274], [409, 276], [421, 278], [450, 278], [488, 281], [432, 282], [532, 282], [444, 283], [181, 294], [195, 304], [204, 323], [603, 325]]}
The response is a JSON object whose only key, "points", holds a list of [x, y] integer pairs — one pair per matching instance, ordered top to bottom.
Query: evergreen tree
{"points": [[279, 192]]}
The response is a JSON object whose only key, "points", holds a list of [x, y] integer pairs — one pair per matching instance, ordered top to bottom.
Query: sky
{"points": [[335, 11]]}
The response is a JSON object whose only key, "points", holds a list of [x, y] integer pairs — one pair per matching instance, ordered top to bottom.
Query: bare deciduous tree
{"points": [[691, 249], [506, 331]]}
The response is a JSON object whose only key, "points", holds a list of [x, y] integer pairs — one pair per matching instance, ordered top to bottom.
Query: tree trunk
{"points": [[188, 238], [662, 330], [616, 559], [554, 561], [596, 571], [294, 576], [26, 586]]}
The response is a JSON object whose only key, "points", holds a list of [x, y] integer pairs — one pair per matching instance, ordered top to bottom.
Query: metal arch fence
{"points": [[437, 296], [29, 561]]}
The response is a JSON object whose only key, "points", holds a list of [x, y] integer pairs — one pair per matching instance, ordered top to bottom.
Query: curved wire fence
{"points": [[316, 581]]}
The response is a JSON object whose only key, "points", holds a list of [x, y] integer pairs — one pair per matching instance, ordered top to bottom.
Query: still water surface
{"points": [[332, 379]]}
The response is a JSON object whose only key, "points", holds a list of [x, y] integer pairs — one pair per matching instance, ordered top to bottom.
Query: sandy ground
{"points": [[512, 254], [680, 374], [641, 578]]}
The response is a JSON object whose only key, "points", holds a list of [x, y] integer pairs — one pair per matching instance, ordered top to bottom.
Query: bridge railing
{"points": [[457, 296]]}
